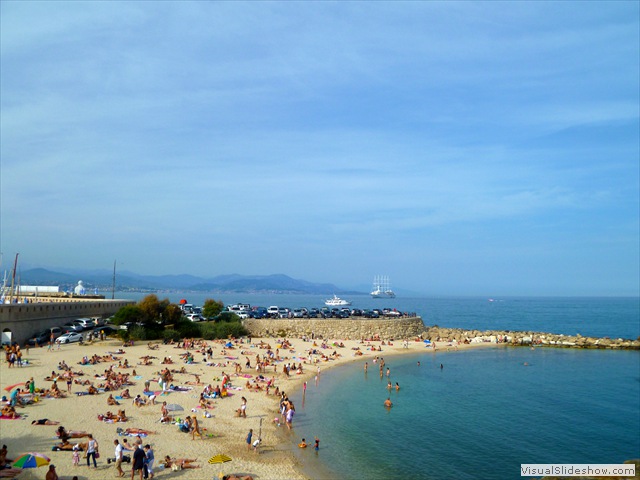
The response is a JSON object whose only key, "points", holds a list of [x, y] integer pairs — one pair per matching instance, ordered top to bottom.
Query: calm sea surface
{"points": [[485, 412], [479, 417]]}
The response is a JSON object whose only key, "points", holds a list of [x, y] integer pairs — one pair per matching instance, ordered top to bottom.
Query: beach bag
{"points": [[184, 428], [97, 454]]}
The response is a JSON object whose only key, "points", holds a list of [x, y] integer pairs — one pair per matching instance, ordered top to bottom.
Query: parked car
{"points": [[273, 311], [259, 312], [283, 312], [356, 312], [298, 313], [314, 313], [370, 314], [194, 317], [87, 323], [128, 325], [72, 327], [106, 329], [40, 338], [70, 338]]}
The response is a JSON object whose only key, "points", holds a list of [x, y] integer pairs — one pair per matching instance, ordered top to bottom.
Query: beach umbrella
{"points": [[174, 407], [220, 458], [31, 460]]}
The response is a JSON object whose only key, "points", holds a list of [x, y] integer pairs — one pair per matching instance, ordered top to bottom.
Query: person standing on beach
{"points": [[242, 412], [289, 415], [195, 428], [249, 436], [92, 449], [118, 455], [148, 462], [137, 464]]}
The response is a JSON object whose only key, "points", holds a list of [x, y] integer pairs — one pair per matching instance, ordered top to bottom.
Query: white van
{"points": [[273, 311]]}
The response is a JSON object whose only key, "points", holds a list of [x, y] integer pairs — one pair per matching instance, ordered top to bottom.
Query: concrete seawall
{"points": [[18, 321]]}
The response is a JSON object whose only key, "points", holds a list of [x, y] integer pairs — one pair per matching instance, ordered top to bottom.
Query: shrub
{"points": [[188, 329], [231, 329], [171, 334]]}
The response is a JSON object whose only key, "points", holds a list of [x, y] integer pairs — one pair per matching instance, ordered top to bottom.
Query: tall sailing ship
{"points": [[382, 288]]}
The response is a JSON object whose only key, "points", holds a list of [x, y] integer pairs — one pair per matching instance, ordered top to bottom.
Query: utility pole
{"points": [[113, 286]]}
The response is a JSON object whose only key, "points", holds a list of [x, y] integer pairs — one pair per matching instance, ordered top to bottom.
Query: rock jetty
{"points": [[412, 327], [446, 335]]}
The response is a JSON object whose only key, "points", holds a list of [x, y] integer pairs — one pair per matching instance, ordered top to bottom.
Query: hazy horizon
{"points": [[461, 148]]}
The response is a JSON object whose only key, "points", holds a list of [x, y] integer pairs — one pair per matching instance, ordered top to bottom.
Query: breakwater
{"points": [[412, 327], [458, 335]]}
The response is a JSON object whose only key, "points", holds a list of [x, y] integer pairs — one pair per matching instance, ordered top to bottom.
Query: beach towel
{"points": [[231, 358], [138, 377], [152, 393], [118, 397], [19, 417]]}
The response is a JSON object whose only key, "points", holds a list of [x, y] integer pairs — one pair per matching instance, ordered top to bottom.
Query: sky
{"points": [[461, 148]]}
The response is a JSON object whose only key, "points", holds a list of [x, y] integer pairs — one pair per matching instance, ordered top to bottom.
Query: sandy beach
{"points": [[223, 431]]}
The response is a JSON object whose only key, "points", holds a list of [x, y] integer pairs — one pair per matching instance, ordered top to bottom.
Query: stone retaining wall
{"points": [[348, 328]]}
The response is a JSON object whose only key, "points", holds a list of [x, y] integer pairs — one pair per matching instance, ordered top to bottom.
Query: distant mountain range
{"points": [[103, 280]]}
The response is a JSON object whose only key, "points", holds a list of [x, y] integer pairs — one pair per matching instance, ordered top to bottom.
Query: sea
{"points": [[476, 414]]}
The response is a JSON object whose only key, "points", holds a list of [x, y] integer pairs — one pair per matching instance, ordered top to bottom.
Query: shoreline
{"points": [[275, 460]]}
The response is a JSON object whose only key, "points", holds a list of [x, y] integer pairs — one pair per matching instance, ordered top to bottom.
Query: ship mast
{"points": [[13, 278]]}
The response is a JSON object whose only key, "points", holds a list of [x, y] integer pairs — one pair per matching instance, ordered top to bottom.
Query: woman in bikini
{"points": [[44, 421], [182, 462]]}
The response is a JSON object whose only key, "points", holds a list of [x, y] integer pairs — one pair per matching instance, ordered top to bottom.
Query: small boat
{"points": [[336, 302]]}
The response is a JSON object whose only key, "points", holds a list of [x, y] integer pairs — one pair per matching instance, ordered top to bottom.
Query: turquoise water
{"points": [[481, 416]]}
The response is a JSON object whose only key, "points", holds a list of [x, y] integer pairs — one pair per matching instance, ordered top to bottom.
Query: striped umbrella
{"points": [[221, 458], [31, 460]]}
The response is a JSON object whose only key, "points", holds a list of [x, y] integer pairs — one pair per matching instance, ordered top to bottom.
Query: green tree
{"points": [[152, 308], [211, 308], [128, 313], [172, 314]]}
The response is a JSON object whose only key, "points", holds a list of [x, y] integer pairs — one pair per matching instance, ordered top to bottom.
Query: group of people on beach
{"points": [[113, 378]]}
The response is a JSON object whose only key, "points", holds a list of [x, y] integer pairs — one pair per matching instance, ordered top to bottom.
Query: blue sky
{"points": [[458, 147]]}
